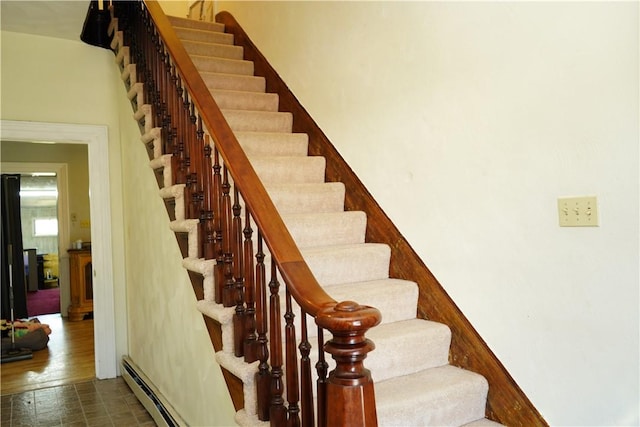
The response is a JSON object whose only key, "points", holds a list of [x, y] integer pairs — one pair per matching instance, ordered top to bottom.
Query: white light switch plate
{"points": [[578, 211]]}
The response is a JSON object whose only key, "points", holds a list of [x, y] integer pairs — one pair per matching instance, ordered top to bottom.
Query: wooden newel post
{"points": [[350, 393]]}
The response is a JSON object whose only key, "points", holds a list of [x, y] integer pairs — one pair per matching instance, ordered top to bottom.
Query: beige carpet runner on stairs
{"points": [[414, 384]]}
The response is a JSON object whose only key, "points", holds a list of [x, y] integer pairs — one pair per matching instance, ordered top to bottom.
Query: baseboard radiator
{"points": [[149, 396]]}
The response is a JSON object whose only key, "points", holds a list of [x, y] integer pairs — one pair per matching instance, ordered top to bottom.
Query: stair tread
{"points": [[178, 21], [194, 34], [214, 50], [222, 65], [233, 81], [245, 100], [261, 121], [273, 143], [289, 169], [298, 198], [326, 228], [334, 265], [400, 338], [439, 396], [482, 423]]}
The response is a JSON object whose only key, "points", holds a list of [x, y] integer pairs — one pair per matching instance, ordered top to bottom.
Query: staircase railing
{"points": [[224, 199]]}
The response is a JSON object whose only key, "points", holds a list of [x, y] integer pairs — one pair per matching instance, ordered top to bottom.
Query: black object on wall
{"points": [[96, 24], [12, 235]]}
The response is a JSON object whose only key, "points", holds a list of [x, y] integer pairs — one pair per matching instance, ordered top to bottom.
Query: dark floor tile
{"points": [[97, 403], [93, 411], [72, 417], [126, 418], [99, 421]]}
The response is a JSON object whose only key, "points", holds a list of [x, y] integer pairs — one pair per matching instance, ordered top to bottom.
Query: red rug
{"points": [[43, 301]]}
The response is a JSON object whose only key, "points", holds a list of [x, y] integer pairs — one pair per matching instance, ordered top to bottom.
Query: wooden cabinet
{"points": [[81, 275]]}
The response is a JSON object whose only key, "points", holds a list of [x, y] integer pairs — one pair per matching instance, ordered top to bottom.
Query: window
{"points": [[45, 227]]}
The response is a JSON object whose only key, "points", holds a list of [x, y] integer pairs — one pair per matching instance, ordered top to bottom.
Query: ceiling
{"points": [[50, 18]]}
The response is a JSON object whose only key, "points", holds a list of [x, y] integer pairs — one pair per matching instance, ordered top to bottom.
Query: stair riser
{"points": [[195, 24], [203, 36], [210, 49], [219, 65], [234, 82], [246, 101], [255, 121], [273, 144], [289, 170], [328, 197], [327, 230], [359, 263], [435, 397]]}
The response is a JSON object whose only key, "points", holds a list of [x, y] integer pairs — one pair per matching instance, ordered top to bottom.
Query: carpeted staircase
{"points": [[414, 384]]}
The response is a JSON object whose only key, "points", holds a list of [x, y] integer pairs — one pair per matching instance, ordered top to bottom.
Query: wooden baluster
{"points": [[155, 75], [166, 87], [172, 127], [188, 136], [197, 164], [181, 177], [207, 203], [217, 226], [228, 291], [239, 327], [250, 351], [291, 356], [322, 368], [263, 376], [306, 385], [350, 394], [277, 411]]}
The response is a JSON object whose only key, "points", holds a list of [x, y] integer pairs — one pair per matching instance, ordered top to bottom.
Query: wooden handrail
{"points": [[184, 108], [295, 272]]}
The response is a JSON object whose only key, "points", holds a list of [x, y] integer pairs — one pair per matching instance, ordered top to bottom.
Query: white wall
{"points": [[60, 81], [467, 121], [167, 334]]}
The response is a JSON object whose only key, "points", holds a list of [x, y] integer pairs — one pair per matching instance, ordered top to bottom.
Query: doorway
{"points": [[95, 137], [39, 220]]}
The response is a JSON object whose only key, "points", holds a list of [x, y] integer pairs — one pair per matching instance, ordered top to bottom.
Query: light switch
{"points": [[578, 211]]}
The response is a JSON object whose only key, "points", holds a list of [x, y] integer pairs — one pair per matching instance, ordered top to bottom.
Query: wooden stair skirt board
{"points": [[423, 369]]}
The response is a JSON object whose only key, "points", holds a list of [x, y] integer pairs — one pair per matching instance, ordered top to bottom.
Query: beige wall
{"points": [[175, 7], [54, 80], [467, 120], [78, 176], [167, 335]]}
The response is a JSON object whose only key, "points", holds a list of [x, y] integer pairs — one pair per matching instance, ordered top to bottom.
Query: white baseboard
{"points": [[149, 396]]}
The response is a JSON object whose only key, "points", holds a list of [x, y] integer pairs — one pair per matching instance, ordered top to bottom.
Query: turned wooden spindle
{"points": [[207, 201], [217, 226], [228, 291], [239, 327], [250, 351], [291, 364], [322, 368], [263, 376], [306, 385], [277, 410]]}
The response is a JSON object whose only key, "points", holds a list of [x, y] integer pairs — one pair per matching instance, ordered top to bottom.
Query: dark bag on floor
{"points": [[34, 340]]}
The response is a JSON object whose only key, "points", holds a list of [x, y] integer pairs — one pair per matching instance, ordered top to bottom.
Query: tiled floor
{"points": [[93, 403]]}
